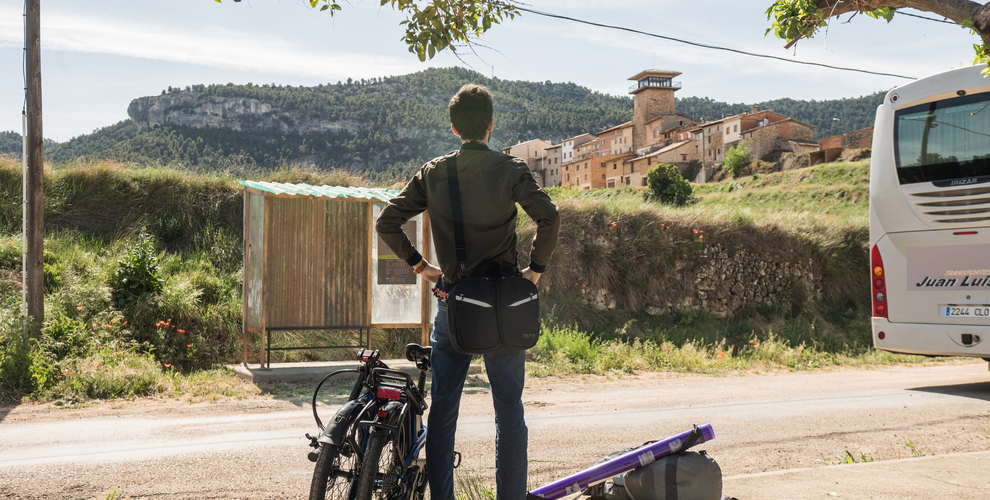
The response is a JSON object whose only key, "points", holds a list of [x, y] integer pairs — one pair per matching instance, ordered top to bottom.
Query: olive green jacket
{"points": [[491, 183]]}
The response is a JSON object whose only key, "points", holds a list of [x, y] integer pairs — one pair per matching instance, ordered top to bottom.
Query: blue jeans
{"points": [[506, 373]]}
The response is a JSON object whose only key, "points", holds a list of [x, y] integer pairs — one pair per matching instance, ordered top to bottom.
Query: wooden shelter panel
{"points": [[348, 258], [296, 262]]}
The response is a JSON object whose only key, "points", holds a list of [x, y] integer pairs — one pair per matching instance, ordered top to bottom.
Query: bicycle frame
{"points": [[381, 400]]}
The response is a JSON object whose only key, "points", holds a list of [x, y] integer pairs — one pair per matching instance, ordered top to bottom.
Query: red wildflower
{"points": [[79, 308]]}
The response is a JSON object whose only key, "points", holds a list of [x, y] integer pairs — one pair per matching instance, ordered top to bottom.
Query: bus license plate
{"points": [[980, 311]]}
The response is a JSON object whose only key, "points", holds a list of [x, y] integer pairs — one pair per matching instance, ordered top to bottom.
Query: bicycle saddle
{"points": [[416, 352]]}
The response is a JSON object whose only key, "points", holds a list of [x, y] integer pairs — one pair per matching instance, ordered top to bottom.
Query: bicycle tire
{"points": [[380, 469], [333, 476]]}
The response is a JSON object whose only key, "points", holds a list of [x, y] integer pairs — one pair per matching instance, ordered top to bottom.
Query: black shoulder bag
{"points": [[487, 313]]}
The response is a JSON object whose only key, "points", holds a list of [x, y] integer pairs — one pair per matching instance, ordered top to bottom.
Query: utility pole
{"points": [[34, 215]]}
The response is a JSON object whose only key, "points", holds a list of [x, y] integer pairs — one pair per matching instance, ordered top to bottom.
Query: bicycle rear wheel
{"points": [[381, 469], [333, 476]]}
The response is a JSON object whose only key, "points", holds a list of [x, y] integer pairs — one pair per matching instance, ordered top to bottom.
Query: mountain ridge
{"points": [[384, 126]]}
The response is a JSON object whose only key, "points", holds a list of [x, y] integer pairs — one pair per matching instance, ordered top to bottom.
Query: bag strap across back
{"points": [[460, 244]]}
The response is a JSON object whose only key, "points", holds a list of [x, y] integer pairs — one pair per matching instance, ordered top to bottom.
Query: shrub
{"points": [[736, 158], [668, 185], [137, 274]]}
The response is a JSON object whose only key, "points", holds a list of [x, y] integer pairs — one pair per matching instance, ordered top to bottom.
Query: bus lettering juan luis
{"points": [[930, 217]]}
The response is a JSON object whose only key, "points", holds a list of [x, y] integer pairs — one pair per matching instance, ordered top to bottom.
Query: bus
{"points": [[930, 217]]}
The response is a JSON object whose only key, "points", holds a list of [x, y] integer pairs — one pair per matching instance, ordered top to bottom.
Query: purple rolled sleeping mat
{"points": [[579, 481]]}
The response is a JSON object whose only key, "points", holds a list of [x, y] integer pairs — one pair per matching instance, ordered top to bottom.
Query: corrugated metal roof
{"points": [[281, 188]]}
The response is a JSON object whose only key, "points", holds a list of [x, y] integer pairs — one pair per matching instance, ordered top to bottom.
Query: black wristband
{"points": [[412, 261]]}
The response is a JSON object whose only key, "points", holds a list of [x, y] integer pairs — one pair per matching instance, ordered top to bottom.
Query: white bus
{"points": [[930, 217]]}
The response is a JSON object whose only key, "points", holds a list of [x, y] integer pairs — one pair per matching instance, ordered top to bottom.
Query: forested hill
{"points": [[384, 126]]}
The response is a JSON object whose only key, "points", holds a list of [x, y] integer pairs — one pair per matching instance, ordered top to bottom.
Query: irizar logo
{"points": [[964, 182]]}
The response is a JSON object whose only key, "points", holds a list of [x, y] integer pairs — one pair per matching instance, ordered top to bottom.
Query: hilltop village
{"points": [[622, 155]]}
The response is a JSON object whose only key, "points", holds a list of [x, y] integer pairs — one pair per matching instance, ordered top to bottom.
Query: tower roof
{"points": [[662, 73]]}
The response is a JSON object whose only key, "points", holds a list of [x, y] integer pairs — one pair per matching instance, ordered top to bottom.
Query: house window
{"points": [[735, 128], [683, 157], [649, 161], [585, 176], [603, 176], [568, 177], [644, 181], [611, 183]]}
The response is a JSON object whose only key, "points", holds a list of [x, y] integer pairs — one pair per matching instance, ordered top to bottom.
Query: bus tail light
{"points": [[879, 289]]}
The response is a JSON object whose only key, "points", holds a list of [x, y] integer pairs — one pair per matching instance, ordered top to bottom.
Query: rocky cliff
{"points": [[197, 110]]}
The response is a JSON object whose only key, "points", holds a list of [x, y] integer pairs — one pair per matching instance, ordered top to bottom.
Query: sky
{"points": [[98, 55]]}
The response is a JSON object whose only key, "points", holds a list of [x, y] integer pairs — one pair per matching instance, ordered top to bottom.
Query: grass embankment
{"points": [[634, 253], [100, 341]]}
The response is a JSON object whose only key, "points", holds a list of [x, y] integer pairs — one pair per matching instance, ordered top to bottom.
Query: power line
{"points": [[927, 18], [713, 47]]}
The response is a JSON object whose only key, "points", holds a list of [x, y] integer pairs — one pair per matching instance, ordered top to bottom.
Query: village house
{"points": [[664, 130], [766, 131], [616, 140], [567, 146], [832, 147], [533, 151], [680, 154], [550, 165], [588, 172]]}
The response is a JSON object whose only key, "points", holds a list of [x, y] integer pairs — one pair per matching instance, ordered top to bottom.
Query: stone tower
{"points": [[653, 95]]}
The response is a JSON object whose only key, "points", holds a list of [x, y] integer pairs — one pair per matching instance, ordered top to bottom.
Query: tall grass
{"points": [[634, 254]]}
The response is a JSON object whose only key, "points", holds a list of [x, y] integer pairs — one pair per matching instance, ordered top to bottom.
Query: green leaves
{"points": [[885, 13], [794, 19], [667, 185], [137, 273]]}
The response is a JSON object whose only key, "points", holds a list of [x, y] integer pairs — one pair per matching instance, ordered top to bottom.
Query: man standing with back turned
{"points": [[491, 183]]}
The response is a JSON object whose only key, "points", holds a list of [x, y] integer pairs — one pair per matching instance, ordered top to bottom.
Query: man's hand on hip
{"points": [[431, 273], [531, 275]]}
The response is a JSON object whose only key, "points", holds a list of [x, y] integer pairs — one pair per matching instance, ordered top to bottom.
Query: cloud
{"points": [[213, 46]]}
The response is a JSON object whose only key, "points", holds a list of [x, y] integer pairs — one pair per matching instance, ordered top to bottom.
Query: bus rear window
{"points": [[943, 140]]}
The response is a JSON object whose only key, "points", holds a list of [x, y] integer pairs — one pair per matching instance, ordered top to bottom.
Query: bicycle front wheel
{"points": [[381, 469], [333, 476]]}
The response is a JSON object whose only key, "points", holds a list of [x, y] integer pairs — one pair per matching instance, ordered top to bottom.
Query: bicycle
{"points": [[371, 448]]}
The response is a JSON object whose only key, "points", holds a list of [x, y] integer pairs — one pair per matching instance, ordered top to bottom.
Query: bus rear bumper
{"points": [[932, 339]]}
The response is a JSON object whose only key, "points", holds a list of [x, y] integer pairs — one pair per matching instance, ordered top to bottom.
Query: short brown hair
{"points": [[471, 111]]}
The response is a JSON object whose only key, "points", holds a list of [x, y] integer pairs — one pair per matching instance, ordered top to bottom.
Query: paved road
{"points": [[777, 436]]}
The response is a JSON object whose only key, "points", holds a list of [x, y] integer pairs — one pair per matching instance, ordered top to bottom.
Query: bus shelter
{"points": [[313, 262]]}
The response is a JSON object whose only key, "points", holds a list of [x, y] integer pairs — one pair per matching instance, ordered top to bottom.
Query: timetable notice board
{"points": [[391, 269]]}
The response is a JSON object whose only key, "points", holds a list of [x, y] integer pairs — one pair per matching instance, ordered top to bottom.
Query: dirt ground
{"points": [[254, 448]]}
